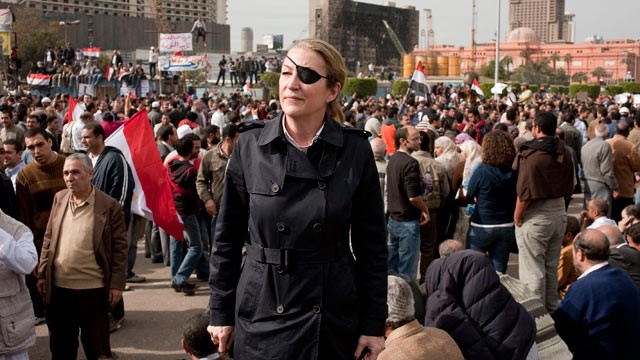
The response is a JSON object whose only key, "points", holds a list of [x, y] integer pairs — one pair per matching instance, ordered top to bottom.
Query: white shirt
{"points": [[217, 119], [580, 126], [602, 220], [593, 268]]}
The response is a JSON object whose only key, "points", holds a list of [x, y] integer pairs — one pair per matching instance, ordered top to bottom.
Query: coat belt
{"points": [[285, 257]]}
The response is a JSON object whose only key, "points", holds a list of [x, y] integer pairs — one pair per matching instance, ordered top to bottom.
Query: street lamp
{"points": [[65, 25], [497, 62]]}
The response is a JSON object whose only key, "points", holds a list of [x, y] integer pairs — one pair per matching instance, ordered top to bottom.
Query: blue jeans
{"points": [[495, 241], [403, 243], [181, 268]]}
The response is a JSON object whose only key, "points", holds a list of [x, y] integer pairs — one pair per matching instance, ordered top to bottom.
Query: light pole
{"points": [[65, 25], [497, 62]]}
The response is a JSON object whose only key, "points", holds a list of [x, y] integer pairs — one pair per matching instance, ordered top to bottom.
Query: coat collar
{"points": [[331, 134], [404, 331]]}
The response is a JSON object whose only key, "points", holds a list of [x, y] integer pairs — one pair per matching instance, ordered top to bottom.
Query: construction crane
{"points": [[157, 8], [430, 34], [394, 38]]}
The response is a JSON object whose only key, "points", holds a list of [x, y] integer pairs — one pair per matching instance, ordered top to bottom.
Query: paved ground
{"points": [[155, 313], [154, 317]]}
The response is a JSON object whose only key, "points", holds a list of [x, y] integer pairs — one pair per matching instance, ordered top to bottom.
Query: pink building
{"points": [[619, 58]]}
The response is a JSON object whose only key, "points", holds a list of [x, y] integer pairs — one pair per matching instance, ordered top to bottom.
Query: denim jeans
{"points": [[495, 241], [403, 243], [181, 269]]}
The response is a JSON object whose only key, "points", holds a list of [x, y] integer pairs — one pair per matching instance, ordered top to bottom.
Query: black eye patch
{"points": [[305, 74]]}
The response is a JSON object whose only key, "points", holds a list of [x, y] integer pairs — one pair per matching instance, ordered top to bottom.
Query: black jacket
{"points": [[112, 175], [183, 185], [627, 258], [314, 299], [467, 300]]}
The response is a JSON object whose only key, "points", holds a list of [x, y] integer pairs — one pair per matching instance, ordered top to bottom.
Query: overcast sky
{"points": [[451, 19]]}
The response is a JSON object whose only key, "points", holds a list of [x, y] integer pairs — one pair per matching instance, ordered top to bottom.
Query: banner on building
{"points": [[6, 19], [176, 42], [5, 43], [91, 52], [182, 63]]}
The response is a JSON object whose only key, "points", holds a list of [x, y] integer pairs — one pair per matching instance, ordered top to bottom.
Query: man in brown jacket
{"points": [[626, 161], [81, 273], [406, 338]]}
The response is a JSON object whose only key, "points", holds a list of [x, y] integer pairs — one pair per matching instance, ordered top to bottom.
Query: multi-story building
{"points": [[545, 17], [109, 24], [357, 31], [619, 58]]}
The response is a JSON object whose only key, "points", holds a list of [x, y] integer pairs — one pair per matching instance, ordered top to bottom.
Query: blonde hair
{"points": [[336, 70]]}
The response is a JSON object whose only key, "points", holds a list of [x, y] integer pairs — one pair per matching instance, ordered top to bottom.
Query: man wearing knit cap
{"points": [[406, 338]]}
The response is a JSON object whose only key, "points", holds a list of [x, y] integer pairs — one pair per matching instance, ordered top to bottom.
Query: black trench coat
{"points": [[300, 304]]}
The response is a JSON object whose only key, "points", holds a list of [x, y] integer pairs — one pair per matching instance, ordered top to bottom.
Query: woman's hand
{"points": [[222, 336], [375, 344]]}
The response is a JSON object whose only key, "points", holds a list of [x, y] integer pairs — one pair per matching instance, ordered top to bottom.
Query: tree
{"points": [[35, 35], [525, 55], [568, 58], [554, 59], [507, 63], [489, 70], [540, 72], [599, 73], [580, 77]]}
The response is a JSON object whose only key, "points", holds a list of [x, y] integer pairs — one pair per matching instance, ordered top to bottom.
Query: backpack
{"points": [[66, 144], [434, 198]]}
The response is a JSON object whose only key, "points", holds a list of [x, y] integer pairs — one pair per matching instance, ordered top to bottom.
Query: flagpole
{"points": [[497, 62]]}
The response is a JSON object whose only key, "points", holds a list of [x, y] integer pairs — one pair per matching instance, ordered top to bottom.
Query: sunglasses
{"points": [[305, 74]]}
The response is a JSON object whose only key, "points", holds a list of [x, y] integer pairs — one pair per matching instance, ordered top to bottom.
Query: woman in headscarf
{"points": [[471, 152], [447, 154]]}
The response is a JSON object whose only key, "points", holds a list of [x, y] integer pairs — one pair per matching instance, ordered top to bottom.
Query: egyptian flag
{"points": [[91, 52], [111, 72], [124, 74], [38, 79], [419, 81], [476, 88], [75, 110], [152, 196]]}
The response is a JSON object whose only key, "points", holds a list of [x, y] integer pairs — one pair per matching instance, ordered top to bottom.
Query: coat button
{"points": [[322, 185], [275, 188], [280, 226], [317, 227], [280, 269], [280, 309], [317, 309]]}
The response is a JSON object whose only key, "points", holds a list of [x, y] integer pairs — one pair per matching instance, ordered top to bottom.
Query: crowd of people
{"points": [[356, 218]]}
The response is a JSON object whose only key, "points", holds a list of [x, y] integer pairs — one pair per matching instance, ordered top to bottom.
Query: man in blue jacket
{"points": [[112, 175], [599, 317]]}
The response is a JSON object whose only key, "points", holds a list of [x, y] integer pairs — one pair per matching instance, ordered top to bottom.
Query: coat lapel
{"points": [[99, 221]]}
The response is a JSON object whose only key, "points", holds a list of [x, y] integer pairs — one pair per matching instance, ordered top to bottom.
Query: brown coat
{"points": [[626, 161], [109, 240], [415, 342]]}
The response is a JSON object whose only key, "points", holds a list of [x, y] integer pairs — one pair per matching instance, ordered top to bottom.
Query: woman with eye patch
{"points": [[314, 281]]}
